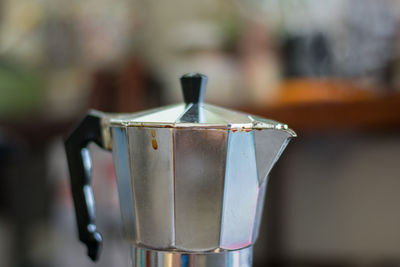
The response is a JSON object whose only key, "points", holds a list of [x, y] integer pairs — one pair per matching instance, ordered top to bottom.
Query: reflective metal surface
{"points": [[200, 115], [269, 146], [199, 157], [191, 179], [124, 181], [193, 189], [240, 191], [259, 209], [152, 258]]}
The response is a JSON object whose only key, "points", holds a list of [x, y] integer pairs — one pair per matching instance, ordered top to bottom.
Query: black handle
{"points": [[193, 87], [80, 168]]}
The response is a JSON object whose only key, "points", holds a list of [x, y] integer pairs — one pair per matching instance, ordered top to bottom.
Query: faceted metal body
{"points": [[191, 179], [193, 189]]}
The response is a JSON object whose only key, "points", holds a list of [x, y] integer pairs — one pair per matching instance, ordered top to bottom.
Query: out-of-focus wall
{"points": [[340, 198]]}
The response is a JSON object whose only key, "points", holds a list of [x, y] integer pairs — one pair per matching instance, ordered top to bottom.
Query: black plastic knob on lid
{"points": [[193, 87]]}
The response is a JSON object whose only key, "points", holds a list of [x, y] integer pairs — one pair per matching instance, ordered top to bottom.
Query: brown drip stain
{"points": [[247, 130], [154, 141], [154, 144]]}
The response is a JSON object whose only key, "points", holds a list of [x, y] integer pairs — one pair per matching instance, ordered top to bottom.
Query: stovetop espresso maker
{"points": [[191, 179]]}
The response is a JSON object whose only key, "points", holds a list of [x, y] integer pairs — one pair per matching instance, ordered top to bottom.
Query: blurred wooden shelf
{"points": [[307, 106], [331, 107]]}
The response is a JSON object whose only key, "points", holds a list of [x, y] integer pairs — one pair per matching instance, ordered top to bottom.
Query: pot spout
{"points": [[269, 145]]}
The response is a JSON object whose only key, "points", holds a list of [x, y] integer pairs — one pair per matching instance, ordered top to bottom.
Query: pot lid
{"points": [[195, 113]]}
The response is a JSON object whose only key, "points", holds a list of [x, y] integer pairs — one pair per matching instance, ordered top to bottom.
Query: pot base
{"points": [[155, 258]]}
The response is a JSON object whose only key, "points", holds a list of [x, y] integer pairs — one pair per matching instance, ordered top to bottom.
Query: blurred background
{"points": [[329, 69]]}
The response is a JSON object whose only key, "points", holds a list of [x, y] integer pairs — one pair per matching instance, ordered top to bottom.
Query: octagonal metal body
{"points": [[193, 189]]}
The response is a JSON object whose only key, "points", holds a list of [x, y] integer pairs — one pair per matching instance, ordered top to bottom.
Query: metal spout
{"points": [[269, 145]]}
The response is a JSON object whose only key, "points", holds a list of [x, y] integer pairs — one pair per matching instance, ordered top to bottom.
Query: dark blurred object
{"points": [[361, 44], [366, 44], [307, 55], [134, 87], [104, 95], [10, 151], [25, 193]]}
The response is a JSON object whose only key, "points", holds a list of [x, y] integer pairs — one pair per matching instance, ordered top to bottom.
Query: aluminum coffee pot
{"points": [[191, 179]]}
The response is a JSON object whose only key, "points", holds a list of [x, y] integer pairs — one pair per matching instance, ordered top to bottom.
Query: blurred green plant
{"points": [[21, 90]]}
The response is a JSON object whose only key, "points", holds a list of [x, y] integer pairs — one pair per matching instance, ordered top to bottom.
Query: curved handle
{"points": [[80, 168]]}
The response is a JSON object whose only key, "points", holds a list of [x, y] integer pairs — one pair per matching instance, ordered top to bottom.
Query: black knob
{"points": [[193, 87]]}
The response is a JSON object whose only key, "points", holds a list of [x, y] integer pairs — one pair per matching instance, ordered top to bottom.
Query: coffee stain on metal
{"points": [[154, 141]]}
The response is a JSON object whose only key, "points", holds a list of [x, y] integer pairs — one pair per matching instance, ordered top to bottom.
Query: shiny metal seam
{"points": [[228, 126], [173, 149], [257, 195], [260, 198], [223, 203], [221, 222], [138, 235], [141, 257]]}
